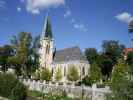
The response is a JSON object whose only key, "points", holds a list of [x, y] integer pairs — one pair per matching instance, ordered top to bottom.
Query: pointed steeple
{"points": [[47, 31]]}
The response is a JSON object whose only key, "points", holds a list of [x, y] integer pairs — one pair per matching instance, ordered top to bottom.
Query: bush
{"points": [[46, 74], [58, 74], [72, 74], [36, 75], [87, 81], [8, 84], [19, 92]]}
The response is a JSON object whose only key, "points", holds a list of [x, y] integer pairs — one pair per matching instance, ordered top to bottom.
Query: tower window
{"points": [[47, 49]]}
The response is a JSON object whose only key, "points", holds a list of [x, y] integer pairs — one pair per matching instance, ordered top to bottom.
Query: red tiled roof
{"points": [[127, 50]]}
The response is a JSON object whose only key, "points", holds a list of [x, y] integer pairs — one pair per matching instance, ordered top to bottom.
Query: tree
{"points": [[22, 47], [112, 51], [5, 52], [35, 53], [91, 54], [129, 60], [13, 61], [105, 63], [119, 72], [95, 73], [45, 74], [58, 74], [72, 74], [94, 76], [121, 87]]}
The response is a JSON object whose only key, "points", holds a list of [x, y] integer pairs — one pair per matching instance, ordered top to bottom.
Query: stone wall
{"points": [[92, 93]]}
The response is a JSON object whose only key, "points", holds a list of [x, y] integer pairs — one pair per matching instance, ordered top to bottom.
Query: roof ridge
{"points": [[69, 48]]}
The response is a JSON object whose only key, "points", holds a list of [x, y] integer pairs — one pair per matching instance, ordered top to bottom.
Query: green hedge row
{"points": [[11, 88]]}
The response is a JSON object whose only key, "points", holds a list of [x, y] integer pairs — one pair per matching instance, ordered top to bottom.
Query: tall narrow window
{"points": [[47, 49], [52, 71], [64, 71], [83, 71]]}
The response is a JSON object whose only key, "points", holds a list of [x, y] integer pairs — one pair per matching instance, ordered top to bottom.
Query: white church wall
{"points": [[65, 65]]}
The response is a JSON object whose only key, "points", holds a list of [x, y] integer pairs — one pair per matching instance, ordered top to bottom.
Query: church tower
{"points": [[47, 45]]}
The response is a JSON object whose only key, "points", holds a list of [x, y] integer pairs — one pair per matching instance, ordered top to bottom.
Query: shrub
{"points": [[46, 74], [58, 74], [73, 74], [36, 75], [87, 81], [8, 85], [19, 92]]}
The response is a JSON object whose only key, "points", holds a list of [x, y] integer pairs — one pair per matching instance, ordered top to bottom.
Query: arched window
{"points": [[47, 49], [52, 71], [64, 71], [83, 71]]}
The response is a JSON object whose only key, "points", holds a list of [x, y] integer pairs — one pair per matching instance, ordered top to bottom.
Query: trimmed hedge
{"points": [[11, 88]]}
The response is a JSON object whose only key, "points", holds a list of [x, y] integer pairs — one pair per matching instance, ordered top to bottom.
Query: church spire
{"points": [[47, 31]]}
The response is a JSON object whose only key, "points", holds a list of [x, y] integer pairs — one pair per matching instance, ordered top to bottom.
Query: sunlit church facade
{"points": [[63, 59]]}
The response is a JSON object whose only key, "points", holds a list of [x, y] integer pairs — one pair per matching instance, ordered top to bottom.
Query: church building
{"points": [[63, 59]]}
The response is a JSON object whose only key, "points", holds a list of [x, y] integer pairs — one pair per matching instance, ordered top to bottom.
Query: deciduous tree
{"points": [[91, 54]]}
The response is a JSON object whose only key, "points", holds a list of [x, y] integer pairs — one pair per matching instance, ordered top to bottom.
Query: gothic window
{"points": [[47, 49], [52, 71], [64, 71], [83, 71]]}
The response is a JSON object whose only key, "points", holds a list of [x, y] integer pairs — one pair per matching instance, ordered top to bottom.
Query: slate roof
{"points": [[69, 54]]}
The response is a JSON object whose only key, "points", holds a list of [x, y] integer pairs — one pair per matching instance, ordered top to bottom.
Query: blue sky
{"points": [[83, 23]]}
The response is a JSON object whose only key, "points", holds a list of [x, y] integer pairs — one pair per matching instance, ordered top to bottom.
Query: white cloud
{"points": [[34, 6], [19, 9], [67, 14], [124, 17], [75, 24], [81, 27]]}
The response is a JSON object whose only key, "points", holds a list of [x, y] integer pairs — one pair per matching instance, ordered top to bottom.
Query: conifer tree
{"points": [[58, 74], [73, 74]]}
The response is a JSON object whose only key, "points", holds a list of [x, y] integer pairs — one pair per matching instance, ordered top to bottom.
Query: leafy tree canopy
{"points": [[91, 54]]}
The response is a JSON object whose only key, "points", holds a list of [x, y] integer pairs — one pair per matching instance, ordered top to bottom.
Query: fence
{"points": [[92, 93]]}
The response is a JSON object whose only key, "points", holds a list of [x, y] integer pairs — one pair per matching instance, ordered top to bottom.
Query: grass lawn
{"points": [[35, 95]]}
